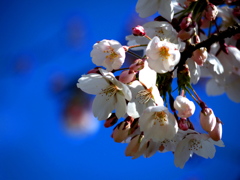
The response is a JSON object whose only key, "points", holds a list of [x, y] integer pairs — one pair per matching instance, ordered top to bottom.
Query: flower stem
{"points": [[132, 53]]}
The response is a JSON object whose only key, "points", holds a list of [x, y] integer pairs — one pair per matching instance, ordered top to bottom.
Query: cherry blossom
{"points": [[109, 54], [162, 56], [110, 94]]}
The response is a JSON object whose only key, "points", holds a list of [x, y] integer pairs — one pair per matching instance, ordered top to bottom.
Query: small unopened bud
{"points": [[211, 12], [185, 23], [138, 31], [185, 35], [196, 39], [200, 56], [137, 65], [127, 76], [207, 119], [111, 120], [183, 124], [121, 131], [216, 133], [134, 145]]}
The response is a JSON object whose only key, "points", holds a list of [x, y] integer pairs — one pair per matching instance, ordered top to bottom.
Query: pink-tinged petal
{"points": [[92, 83], [103, 106]]}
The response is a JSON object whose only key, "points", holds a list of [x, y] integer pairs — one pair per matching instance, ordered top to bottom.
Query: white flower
{"points": [[147, 8], [162, 29], [109, 54], [162, 56], [144, 92], [110, 94], [184, 107], [158, 123], [170, 144], [200, 144]]}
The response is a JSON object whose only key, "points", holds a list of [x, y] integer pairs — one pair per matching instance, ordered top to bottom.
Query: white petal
{"points": [[146, 8], [166, 9], [147, 76], [92, 83], [213, 88], [102, 106], [121, 107], [181, 154]]}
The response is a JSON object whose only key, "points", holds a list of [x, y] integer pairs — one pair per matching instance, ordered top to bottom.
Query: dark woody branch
{"points": [[190, 48]]}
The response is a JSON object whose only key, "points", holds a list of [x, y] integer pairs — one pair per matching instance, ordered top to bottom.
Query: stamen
{"points": [[163, 51], [111, 54], [110, 91], [144, 96], [161, 117], [194, 145]]}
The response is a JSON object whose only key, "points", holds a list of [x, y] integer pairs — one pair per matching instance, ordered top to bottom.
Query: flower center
{"points": [[163, 52], [111, 54], [110, 91], [144, 95], [161, 117], [194, 145]]}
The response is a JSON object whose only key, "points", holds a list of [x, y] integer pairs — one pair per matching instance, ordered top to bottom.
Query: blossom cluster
{"points": [[141, 96]]}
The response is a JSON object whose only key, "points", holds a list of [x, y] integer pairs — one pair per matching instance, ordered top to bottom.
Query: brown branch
{"points": [[190, 48]]}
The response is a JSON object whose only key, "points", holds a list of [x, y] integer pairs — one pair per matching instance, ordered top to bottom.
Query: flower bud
{"points": [[211, 12], [185, 23], [138, 31], [185, 35], [200, 56], [137, 65], [127, 76], [184, 107], [207, 119], [111, 120], [183, 124], [121, 131], [216, 133], [134, 145]]}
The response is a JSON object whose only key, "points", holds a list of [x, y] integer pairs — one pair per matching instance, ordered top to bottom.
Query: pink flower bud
{"points": [[211, 12], [186, 22], [138, 31], [185, 35], [196, 39], [200, 56], [137, 65], [127, 76], [184, 106], [207, 119], [111, 120], [183, 124], [120, 133], [216, 133], [134, 145]]}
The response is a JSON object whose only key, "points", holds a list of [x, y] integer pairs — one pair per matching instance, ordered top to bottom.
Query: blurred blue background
{"points": [[44, 48]]}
